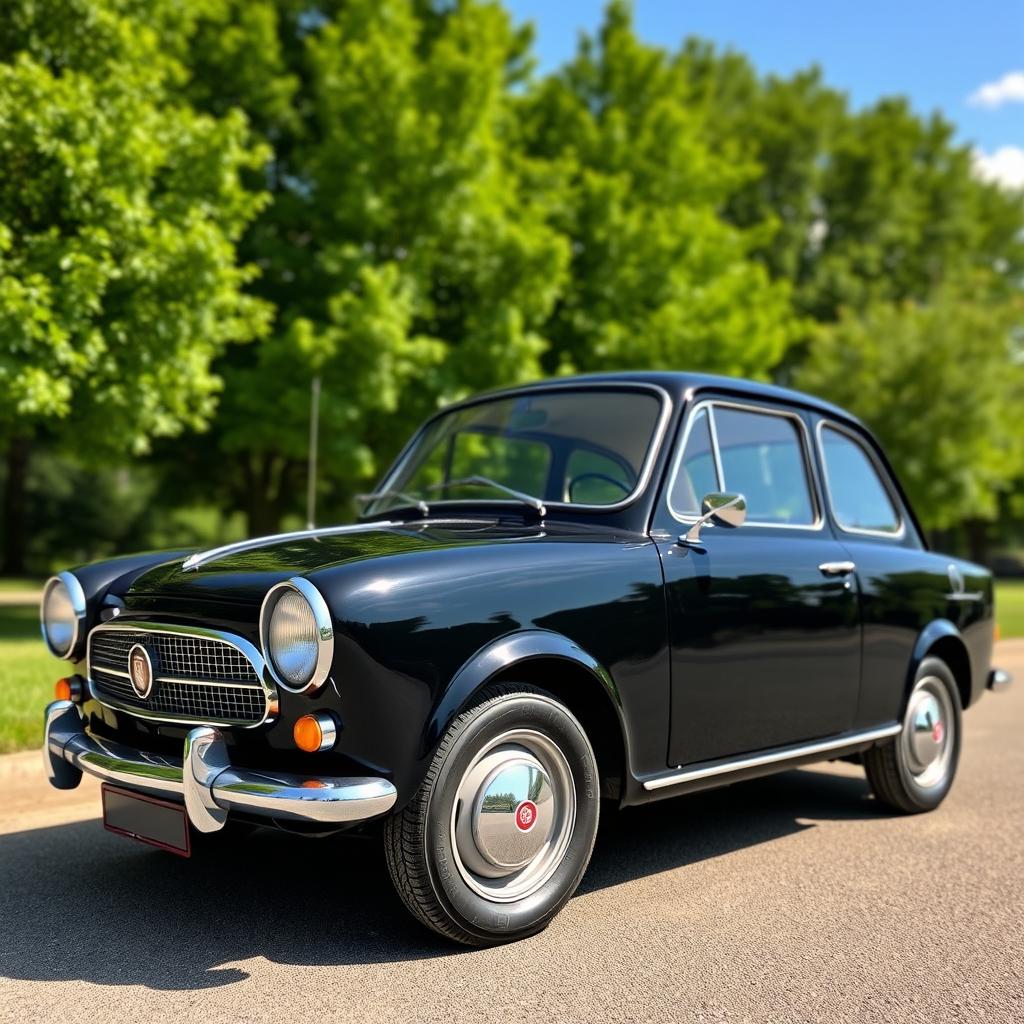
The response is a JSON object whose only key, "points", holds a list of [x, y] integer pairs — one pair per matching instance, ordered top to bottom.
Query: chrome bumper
{"points": [[999, 680], [204, 779]]}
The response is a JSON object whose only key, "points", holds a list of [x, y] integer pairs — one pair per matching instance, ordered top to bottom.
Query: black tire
{"points": [[890, 766], [422, 856]]}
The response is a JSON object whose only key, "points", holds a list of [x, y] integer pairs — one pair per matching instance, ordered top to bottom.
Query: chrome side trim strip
{"points": [[212, 554], [773, 757], [204, 779]]}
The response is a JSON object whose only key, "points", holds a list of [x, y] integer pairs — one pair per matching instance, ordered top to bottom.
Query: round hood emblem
{"points": [[140, 670]]}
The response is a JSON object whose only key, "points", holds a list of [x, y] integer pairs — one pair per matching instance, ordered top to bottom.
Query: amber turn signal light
{"points": [[996, 632], [68, 689], [315, 733]]}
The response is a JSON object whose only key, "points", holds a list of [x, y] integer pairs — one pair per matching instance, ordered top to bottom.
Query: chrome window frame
{"points": [[880, 472], [643, 477], [818, 522], [246, 649]]}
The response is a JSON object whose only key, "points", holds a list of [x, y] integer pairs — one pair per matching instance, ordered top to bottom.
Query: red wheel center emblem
{"points": [[938, 732], [526, 816]]}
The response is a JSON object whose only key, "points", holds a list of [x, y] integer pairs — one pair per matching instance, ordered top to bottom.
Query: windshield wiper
{"points": [[486, 481], [418, 503]]}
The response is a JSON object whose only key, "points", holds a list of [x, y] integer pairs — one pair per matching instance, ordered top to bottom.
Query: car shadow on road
{"points": [[80, 904]]}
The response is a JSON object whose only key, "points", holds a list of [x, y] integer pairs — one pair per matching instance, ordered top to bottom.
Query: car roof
{"points": [[681, 385]]}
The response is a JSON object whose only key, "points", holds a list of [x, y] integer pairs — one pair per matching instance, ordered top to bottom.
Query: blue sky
{"points": [[940, 53]]}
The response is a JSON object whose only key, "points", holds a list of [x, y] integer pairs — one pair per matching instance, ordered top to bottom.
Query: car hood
{"points": [[242, 573]]}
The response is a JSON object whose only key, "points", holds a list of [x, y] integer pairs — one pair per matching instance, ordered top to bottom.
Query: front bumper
{"points": [[204, 779]]}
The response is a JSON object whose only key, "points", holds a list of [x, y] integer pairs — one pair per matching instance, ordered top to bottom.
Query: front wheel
{"points": [[914, 771], [500, 832]]}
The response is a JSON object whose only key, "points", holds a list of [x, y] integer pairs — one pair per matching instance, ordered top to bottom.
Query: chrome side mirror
{"points": [[720, 509]]}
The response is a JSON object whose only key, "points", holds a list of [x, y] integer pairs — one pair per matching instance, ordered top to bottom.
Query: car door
{"points": [[903, 586], [763, 620]]}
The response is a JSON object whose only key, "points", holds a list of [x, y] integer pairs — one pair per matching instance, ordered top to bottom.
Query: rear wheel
{"points": [[914, 771], [500, 832]]}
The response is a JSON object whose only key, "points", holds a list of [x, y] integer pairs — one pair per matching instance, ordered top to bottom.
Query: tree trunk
{"points": [[263, 501], [15, 518], [977, 540]]}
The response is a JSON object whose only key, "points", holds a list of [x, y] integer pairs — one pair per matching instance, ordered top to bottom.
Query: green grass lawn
{"points": [[13, 583], [1010, 607], [27, 674]]}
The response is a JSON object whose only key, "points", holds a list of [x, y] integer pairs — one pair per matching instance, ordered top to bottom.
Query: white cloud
{"points": [[1008, 89], [1004, 167]]}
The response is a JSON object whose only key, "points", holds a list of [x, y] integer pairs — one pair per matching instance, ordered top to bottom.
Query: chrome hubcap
{"points": [[928, 732], [513, 816]]}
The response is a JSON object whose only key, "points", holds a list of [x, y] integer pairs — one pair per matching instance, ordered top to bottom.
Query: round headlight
{"points": [[61, 613], [298, 640]]}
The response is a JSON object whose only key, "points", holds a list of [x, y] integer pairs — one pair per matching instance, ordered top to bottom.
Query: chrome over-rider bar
{"points": [[204, 778]]}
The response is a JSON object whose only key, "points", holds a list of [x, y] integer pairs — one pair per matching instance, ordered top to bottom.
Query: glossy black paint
{"points": [[671, 655]]}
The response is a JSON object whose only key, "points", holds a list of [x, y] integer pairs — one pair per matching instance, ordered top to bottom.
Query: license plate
{"points": [[156, 822]]}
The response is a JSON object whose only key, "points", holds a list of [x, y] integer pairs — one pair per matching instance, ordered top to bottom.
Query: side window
{"points": [[762, 457], [696, 474], [595, 479], [860, 501]]}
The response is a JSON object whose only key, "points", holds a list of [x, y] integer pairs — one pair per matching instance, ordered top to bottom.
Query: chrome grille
{"points": [[200, 676]]}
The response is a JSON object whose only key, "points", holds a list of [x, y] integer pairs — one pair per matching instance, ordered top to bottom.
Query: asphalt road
{"points": [[791, 898]]}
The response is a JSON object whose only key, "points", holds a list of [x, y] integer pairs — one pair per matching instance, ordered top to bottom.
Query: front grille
{"points": [[197, 678]]}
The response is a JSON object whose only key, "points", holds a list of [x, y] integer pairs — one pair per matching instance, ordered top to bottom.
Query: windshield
{"points": [[582, 447]]}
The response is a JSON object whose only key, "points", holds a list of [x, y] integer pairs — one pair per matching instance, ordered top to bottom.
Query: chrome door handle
{"points": [[837, 568]]}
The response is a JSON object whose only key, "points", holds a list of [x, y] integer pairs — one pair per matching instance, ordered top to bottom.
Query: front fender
{"points": [[500, 655]]}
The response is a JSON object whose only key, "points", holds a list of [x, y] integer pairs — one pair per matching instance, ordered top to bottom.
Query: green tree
{"points": [[784, 127], [120, 207], [855, 207], [902, 215], [406, 256], [659, 278], [942, 384]]}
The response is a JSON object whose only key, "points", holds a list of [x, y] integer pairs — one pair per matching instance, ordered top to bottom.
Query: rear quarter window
{"points": [[861, 501]]}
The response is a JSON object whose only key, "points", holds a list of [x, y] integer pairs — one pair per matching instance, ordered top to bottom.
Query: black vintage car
{"points": [[600, 589]]}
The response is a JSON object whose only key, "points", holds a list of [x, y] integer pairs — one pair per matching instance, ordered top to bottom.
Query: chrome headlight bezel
{"points": [[76, 598], [324, 638]]}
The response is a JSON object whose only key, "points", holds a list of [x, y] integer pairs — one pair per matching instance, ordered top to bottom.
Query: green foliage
{"points": [[386, 195], [119, 209], [903, 215], [877, 221], [406, 257], [658, 277], [943, 386], [1010, 608], [27, 674]]}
